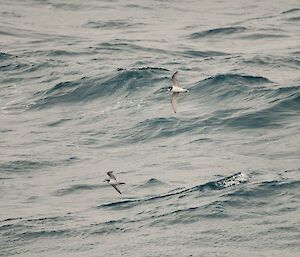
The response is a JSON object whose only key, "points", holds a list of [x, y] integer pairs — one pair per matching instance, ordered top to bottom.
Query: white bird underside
{"points": [[177, 89]]}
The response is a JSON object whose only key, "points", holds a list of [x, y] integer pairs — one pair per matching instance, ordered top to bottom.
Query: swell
{"points": [[63, 6], [291, 11], [10, 14], [296, 19], [114, 24], [216, 32], [241, 32], [31, 34], [262, 36], [124, 46], [196, 53], [5, 56], [274, 61], [13, 65], [19, 66], [234, 79], [121, 83], [227, 86], [242, 87], [242, 94], [238, 101], [259, 103], [274, 116], [24, 165], [32, 165], [153, 182], [220, 184], [76, 189], [267, 189], [225, 198], [233, 198], [260, 199], [17, 232]]}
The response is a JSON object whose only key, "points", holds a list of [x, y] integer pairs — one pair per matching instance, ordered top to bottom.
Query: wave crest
{"points": [[217, 32], [121, 83]]}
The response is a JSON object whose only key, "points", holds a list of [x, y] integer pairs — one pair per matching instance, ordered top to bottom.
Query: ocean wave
{"points": [[62, 6], [136, 6], [291, 10], [10, 14], [296, 19], [116, 24], [217, 32], [262, 36], [128, 46], [61, 53], [195, 53], [5, 56], [273, 61], [14, 66], [18, 66], [235, 79], [122, 83], [231, 86], [84, 88], [246, 88], [240, 92], [290, 104], [269, 117], [58, 122], [158, 128], [24, 165], [29, 165], [230, 181], [153, 182], [226, 182], [76, 189], [266, 189], [230, 198], [242, 198], [175, 208], [23, 229], [29, 235]]}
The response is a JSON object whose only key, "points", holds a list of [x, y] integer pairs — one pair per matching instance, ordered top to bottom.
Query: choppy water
{"points": [[82, 92]]}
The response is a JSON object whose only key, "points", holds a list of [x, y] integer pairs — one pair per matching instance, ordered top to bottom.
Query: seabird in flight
{"points": [[176, 89], [113, 181]]}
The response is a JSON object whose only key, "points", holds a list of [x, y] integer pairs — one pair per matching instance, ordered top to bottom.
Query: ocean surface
{"points": [[83, 90]]}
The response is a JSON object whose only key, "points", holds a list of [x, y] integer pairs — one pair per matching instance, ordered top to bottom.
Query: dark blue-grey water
{"points": [[82, 91]]}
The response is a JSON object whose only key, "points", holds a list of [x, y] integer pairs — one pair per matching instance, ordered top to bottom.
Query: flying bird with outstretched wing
{"points": [[175, 89], [113, 181]]}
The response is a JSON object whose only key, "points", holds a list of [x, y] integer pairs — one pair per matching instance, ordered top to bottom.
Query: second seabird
{"points": [[176, 89], [113, 181]]}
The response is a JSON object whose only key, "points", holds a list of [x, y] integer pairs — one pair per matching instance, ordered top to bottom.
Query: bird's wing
{"points": [[175, 79], [173, 101], [111, 175], [115, 186]]}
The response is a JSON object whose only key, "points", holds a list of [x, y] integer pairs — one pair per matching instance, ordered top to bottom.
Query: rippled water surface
{"points": [[83, 91]]}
